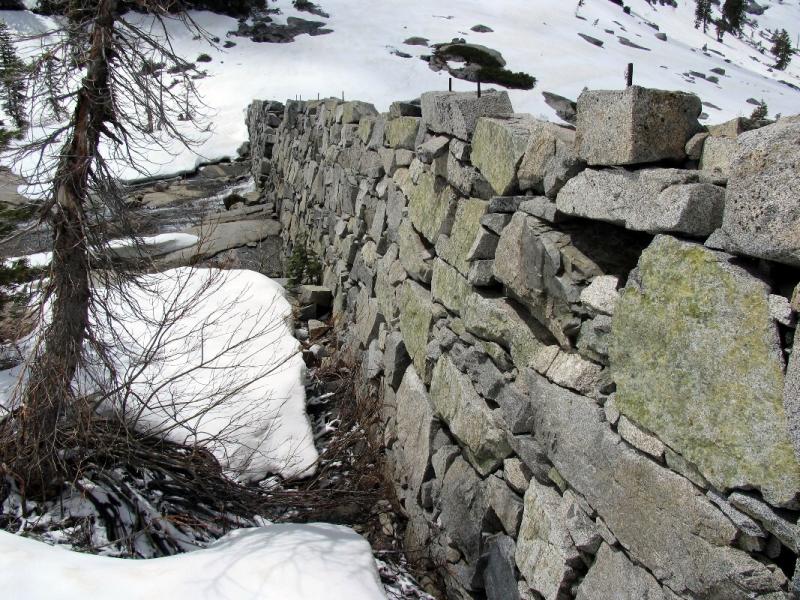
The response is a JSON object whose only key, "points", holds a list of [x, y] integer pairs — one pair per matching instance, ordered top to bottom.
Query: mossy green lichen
{"points": [[416, 318], [695, 359]]}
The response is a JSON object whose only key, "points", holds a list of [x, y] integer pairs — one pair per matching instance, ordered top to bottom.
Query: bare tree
{"points": [[128, 90]]}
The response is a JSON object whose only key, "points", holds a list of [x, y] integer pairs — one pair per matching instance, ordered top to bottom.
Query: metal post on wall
{"points": [[629, 75]]}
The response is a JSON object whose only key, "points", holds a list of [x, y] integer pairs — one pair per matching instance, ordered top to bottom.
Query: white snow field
{"points": [[536, 36], [205, 355], [276, 562]]}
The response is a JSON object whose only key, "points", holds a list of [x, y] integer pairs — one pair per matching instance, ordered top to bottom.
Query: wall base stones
{"points": [[574, 408]]}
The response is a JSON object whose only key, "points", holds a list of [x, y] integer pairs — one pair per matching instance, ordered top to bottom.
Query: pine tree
{"points": [[733, 13], [702, 14], [782, 49], [12, 78]]}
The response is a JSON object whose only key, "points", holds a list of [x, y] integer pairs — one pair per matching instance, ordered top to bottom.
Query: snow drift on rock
{"points": [[206, 356]]}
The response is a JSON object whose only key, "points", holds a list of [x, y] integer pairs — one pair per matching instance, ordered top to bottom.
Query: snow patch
{"points": [[276, 562]]}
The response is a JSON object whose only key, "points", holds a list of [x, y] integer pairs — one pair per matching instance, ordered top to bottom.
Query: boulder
{"points": [[566, 109], [353, 112], [457, 113], [636, 125], [402, 132], [433, 148], [497, 149], [718, 153], [550, 159], [653, 200], [762, 204], [432, 206], [455, 248], [414, 255], [529, 262], [449, 286], [601, 296], [416, 319], [497, 319], [687, 320], [395, 358], [791, 395], [468, 417], [416, 427], [464, 506], [662, 520], [546, 555], [614, 576], [500, 578]]}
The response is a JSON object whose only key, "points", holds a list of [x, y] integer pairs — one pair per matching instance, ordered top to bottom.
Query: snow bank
{"points": [[225, 370], [277, 562]]}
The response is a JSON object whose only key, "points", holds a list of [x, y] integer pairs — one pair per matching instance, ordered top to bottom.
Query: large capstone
{"points": [[457, 113], [635, 125], [497, 149], [653, 200], [762, 205], [695, 356], [468, 417]]}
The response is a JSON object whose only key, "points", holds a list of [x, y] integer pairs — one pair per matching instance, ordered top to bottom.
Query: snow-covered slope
{"points": [[536, 36]]}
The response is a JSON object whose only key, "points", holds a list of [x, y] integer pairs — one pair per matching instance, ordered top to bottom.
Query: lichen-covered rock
{"points": [[352, 112], [457, 113], [635, 125], [402, 132], [497, 149], [718, 153], [550, 159], [653, 200], [762, 204], [432, 206], [456, 247], [414, 255], [529, 262], [449, 287], [416, 319], [497, 320], [695, 359], [791, 395], [468, 417], [416, 427], [463, 507], [662, 520], [546, 555], [614, 576]]}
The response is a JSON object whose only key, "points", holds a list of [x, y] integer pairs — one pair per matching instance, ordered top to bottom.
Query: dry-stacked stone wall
{"points": [[583, 338]]}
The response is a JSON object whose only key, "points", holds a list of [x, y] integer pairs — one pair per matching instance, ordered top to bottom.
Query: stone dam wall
{"points": [[582, 337]]}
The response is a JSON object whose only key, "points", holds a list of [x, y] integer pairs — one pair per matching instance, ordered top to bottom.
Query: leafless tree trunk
{"points": [[114, 105], [48, 398]]}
